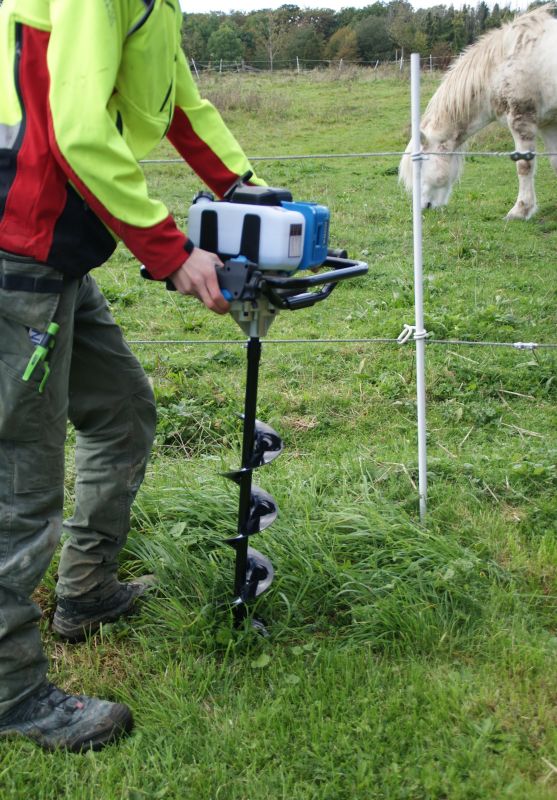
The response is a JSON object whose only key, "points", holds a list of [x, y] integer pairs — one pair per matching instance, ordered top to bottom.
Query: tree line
{"points": [[380, 32]]}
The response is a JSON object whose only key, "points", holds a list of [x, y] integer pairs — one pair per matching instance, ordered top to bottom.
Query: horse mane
{"points": [[462, 93]]}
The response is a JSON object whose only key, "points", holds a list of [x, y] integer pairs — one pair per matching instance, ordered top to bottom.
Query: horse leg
{"points": [[523, 128], [549, 136]]}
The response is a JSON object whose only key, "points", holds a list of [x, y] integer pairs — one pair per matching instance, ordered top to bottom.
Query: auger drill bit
{"points": [[258, 286], [257, 298], [256, 508]]}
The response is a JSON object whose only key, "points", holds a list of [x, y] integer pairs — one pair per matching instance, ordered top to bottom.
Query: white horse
{"points": [[509, 75]]}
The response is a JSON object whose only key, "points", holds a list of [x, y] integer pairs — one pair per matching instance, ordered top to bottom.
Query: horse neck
{"points": [[461, 105]]}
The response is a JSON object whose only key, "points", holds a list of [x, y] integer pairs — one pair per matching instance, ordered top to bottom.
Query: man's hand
{"points": [[197, 276]]}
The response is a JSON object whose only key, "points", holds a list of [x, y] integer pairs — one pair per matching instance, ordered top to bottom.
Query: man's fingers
{"points": [[197, 276], [210, 294], [216, 302], [221, 304]]}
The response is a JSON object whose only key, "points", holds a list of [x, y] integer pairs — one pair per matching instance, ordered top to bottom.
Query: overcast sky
{"points": [[205, 6]]}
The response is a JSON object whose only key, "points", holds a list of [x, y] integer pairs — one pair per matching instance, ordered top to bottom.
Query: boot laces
{"points": [[56, 698]]}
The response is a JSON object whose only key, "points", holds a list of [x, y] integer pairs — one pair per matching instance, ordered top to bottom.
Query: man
{"points": [[87, 89]]}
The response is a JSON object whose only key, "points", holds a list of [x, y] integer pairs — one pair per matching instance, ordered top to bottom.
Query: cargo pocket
{"points": [[34, 309], [22, 404], [40, 469]]}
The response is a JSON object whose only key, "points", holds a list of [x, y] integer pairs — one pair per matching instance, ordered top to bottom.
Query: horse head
{"points": [[439, 170]]}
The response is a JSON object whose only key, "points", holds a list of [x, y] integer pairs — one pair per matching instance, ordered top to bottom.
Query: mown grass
{"points": [[402, 661]]}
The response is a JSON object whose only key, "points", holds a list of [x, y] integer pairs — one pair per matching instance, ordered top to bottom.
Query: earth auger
{"points": [[263, 238]]}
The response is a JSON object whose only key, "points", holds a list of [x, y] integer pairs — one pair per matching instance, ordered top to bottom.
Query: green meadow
{"points": [[403, 662]]}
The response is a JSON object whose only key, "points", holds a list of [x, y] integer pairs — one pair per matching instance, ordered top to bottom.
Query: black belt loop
{"points": [[26, 283]]}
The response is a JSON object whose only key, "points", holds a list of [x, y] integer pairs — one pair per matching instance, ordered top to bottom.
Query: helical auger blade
{"points": [[267, 446], [263, 512], [259, 513], [259, 576]]}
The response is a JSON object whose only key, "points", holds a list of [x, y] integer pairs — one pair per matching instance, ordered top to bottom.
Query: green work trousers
{"points": [[97, 383]]}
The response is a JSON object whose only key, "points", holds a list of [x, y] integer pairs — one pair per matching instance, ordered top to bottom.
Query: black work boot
{"points": [[75, 619], [54, 719]]}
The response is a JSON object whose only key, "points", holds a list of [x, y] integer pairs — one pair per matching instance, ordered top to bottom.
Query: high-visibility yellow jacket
{"points": [[88, 87]]}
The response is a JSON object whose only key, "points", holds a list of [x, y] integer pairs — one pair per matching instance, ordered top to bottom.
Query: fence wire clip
{"points": [[518, 156], [410, 331], [525, 345]]}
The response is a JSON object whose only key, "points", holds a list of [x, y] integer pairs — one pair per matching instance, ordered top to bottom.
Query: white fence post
{"points": [[419, 332]]}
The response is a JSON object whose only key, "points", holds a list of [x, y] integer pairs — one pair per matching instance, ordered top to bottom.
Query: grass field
{"points": [[404, 663]]}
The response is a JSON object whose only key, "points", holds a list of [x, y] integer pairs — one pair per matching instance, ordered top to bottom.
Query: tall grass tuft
{"points": [[349, 565]]}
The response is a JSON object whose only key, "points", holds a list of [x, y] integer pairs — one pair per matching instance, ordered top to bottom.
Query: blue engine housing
{"points": [[316, 239]]}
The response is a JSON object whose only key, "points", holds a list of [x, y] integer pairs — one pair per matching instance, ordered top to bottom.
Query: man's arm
{"points": [[84, 53], [201, 137]]}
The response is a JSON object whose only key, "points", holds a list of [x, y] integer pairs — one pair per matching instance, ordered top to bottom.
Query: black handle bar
{"points": [[144, 272], [284, 290]]}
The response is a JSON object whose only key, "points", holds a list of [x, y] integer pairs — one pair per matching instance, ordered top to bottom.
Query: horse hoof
{"points": [[521, 211]]}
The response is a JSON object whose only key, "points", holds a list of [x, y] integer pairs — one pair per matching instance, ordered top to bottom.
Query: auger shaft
{"points": [[250, 408]]}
